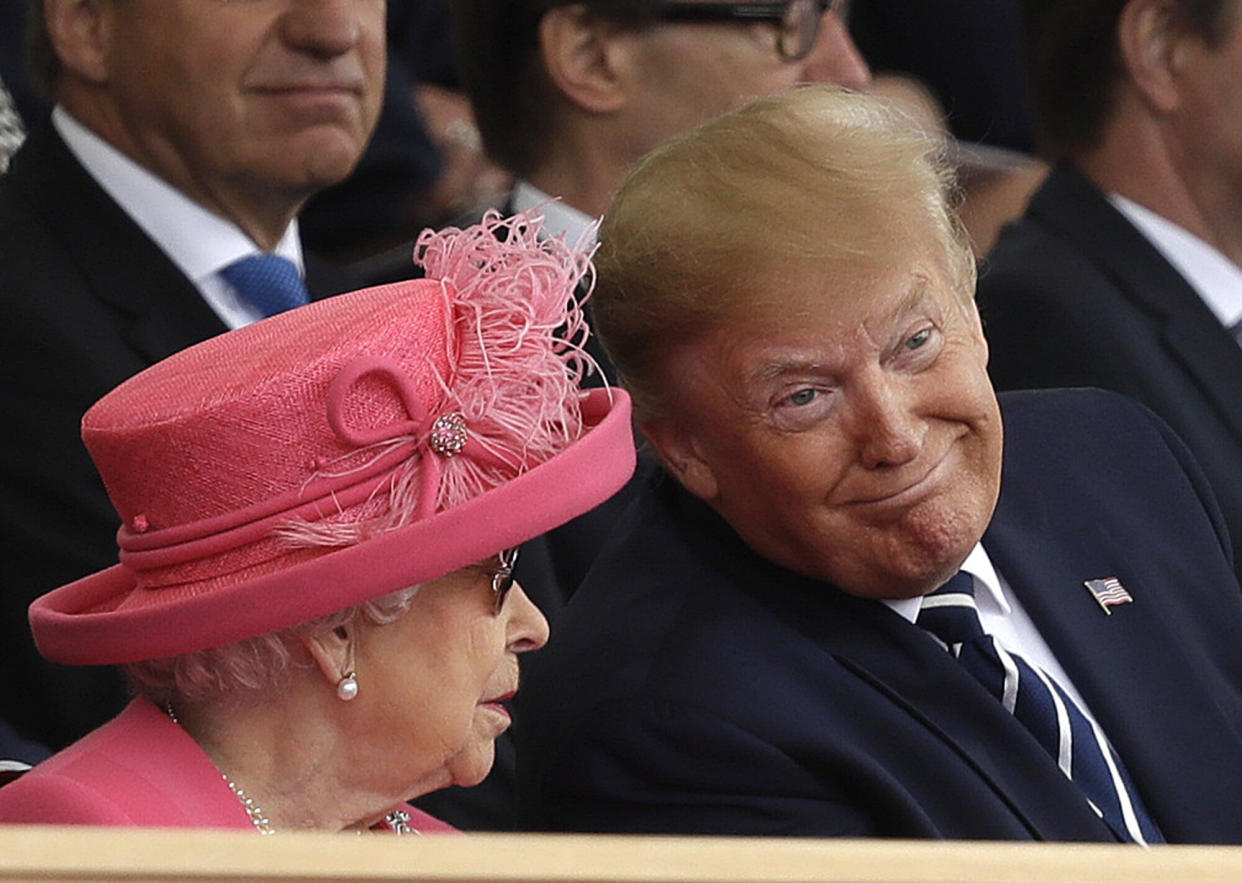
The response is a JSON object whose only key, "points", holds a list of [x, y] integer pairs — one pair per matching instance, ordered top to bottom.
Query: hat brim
{"points": [[78, 625]]}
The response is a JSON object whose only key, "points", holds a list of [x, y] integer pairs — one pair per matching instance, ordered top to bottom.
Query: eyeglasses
{"points": [[797, 21], [502, 578]]}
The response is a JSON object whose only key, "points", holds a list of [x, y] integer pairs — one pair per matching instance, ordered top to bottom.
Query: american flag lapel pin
{"points": [[1108, 592]]}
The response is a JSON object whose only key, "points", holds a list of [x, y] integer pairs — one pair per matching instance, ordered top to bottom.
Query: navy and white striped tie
{"points": [[1042, 706]]}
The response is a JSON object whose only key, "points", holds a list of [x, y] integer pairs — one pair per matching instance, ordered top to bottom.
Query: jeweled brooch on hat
{"points": [[448, 434]]}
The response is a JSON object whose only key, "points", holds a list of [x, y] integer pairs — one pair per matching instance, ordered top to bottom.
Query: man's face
{"points": [[695, 71], [233, 101], [1205, 126], [846, 427]]}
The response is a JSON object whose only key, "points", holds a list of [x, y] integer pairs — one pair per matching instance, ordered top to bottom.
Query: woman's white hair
{"points": [[256, 663]]}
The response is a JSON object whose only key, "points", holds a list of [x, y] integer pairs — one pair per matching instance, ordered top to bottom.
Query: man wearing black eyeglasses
{"points": [[569, 95]]}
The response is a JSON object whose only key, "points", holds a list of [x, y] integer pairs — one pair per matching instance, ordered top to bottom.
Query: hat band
{"points": [[144, 550], [147, 550]]}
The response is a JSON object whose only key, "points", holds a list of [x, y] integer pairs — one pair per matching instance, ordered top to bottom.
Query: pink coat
{"points": [[138, 770]]}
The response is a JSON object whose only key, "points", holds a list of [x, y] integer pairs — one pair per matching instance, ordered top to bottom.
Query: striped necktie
{"points": [[269, 283], [1042, 706]]}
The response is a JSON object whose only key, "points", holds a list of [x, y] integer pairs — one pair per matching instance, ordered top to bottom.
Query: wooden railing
{"points": [[99, 854]]}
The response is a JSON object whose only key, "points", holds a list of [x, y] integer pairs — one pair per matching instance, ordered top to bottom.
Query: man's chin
{"points": [[316, 160]]}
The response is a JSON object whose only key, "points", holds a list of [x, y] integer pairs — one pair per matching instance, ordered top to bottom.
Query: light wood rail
{"points": [[30, 853]]}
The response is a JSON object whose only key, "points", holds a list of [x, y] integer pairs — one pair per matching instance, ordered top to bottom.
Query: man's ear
{"points": [[79, 32], [1151, 38], [584, 58], [682, 456], [333, 651]]}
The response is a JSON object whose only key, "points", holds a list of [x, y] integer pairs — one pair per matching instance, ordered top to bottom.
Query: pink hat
{"points": [[344, 450]]}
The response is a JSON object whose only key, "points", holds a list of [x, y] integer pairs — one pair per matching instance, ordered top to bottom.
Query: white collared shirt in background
{"points": [[558, 216], [198, 241], [1216, 279]]}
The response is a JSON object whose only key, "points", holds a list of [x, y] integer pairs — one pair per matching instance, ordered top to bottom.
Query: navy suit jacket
{"points": [[1074, 295], [88, 300], [693, 687]]}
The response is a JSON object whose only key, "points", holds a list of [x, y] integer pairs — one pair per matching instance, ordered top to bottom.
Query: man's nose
{"points": [[325, 27], [834, 58], [886, 427]]}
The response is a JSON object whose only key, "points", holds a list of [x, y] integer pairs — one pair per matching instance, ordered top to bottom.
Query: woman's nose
{"points": [[527, 626]]}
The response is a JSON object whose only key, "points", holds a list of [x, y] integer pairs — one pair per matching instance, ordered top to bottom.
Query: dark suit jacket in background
{"points": [[1074, 295], [88, 300], [694, 687]]}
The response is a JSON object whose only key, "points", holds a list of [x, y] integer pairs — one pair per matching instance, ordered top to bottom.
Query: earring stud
{"points": [[347, 687]]}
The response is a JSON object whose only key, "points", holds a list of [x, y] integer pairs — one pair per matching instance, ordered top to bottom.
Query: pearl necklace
{"points": [[258, 818], [398, 820], [261, 822]]}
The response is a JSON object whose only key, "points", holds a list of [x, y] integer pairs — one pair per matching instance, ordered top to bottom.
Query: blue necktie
{"points": [[268, 282], [1042, 706]]}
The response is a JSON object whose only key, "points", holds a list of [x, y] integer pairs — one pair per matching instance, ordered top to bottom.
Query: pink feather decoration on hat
{"points": [[521, 359], [520, 362]]}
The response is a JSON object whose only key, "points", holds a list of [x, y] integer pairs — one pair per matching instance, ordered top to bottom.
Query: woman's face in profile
{"points": [[434, 684]]}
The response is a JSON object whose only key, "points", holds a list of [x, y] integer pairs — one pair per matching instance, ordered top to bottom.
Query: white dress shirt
{"points": [[558, 216], [198, 241], [1216, 279]]}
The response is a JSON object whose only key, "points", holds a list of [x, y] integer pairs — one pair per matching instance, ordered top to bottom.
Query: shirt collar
{"points": [[559, 217], [198, 241], [1217, 280], [987, 587]]}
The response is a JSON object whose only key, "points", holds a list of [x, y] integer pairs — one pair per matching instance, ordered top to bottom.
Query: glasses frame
{"points": [[797, 20], [502, 578]]}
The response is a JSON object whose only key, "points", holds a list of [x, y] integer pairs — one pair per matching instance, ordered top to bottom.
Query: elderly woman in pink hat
{"points": [[314, 600]]}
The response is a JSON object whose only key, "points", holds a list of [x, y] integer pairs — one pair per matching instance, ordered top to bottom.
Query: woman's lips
{"points": [[497, 704]]}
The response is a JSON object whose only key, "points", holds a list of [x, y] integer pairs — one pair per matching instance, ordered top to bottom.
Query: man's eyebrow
{"points": [[910, 301], [797, 363], [793, 364]]}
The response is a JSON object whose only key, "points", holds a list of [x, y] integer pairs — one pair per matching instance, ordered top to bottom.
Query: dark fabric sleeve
{"points": [[655, 767]]}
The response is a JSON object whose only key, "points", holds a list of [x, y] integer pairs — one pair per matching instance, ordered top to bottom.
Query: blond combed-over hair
{"points": [[711, 221]]}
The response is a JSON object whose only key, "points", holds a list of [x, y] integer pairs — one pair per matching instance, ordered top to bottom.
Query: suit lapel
{"points": [[1072, 207], [324, 278], [159, 309], [162, 311], [1212, 357], [906, 667], [1154, 702]]}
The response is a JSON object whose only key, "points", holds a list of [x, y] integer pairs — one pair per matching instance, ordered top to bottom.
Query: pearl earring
{"points": [[347, 687]]}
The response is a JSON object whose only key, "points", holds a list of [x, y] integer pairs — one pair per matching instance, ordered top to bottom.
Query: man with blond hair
{"points": [[864, 596]]}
